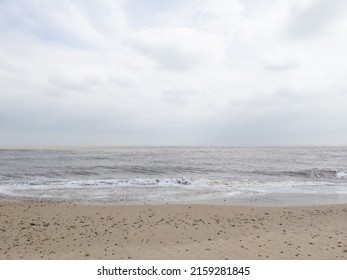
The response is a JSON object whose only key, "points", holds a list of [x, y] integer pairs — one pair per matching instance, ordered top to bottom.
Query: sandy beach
{"points": [[43, 230]]}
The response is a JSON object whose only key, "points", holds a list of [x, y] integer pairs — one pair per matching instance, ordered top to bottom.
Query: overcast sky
{"points": [[154, 72]]}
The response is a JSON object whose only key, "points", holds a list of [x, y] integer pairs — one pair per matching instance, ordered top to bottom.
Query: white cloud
{"points": [[314, 18], [178, 48], [183, 72]]}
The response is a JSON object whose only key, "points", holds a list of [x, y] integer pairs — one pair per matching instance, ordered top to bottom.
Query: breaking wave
{"points": [[309, 173], [180, 189]]}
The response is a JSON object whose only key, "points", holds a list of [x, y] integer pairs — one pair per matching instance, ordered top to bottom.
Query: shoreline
{"points": [[267, 200], [48, 230]]}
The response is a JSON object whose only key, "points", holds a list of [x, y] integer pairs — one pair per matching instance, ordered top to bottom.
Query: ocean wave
{"points": [[81, 173], [307, 173], [321, 173], [340, 174], [3, 177], [42, 182], [136, 182], [180, 184]]}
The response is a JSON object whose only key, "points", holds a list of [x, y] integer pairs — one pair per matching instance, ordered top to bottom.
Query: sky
{"points": [[153, 72]]}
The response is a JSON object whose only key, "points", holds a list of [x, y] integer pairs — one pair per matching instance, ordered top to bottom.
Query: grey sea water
{"points": [[232, 175]]}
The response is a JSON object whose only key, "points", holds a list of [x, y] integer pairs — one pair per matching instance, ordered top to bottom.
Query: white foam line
{"points": [[173, 189]]}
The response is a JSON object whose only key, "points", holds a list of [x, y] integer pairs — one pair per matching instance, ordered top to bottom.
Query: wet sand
{"points": [[43, 230]]}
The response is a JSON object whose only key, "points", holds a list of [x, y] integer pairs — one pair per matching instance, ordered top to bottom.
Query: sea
{"points": [[264, 176]]}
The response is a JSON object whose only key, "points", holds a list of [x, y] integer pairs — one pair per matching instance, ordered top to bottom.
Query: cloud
{"points": [[314, 19], [178, 49], [280, 67], [179, 72]]}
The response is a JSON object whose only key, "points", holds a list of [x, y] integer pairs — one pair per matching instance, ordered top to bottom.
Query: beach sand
{"points": [[43, 230]]}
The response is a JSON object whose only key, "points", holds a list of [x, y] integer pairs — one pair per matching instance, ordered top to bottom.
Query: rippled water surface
{"points": [[172, 174]]}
